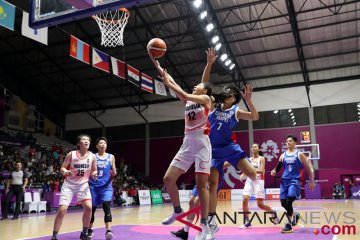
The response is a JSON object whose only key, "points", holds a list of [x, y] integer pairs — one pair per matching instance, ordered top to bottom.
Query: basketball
{"points": [[156, 47]]}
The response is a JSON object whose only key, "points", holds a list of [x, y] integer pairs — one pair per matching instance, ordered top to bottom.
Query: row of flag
{"points": [[7, 20], [81, 51], [100, 60]]}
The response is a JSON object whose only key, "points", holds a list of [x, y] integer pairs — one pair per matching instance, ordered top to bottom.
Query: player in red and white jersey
{"points": [[196, 118], [196, 147], [77, 168], [256, 186]]}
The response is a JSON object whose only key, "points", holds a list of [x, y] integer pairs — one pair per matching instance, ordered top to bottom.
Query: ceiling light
{"points": [[197, 3], [203, 14], [209, 27], [215, 39], [218, 46], [223, 57], [227, 62], [232, 66], [290, 110], [276, 111], [292, 114], [292, 117], [294, 123]]}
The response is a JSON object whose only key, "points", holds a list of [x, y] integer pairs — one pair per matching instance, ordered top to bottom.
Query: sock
{"points": [[177, 209], [203, 221], [186, 227], [85, 230], [55, 233]]}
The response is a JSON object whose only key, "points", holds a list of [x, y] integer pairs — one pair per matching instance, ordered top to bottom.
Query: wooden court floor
{"points": [[129, 221]]}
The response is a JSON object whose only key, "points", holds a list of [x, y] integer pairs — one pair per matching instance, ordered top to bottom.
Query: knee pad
{"points": [[107, 212]]}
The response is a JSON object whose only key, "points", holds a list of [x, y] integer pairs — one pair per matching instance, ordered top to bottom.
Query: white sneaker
{"points": [[171, 219], [213, 228], [109, 235], [203, 235]]}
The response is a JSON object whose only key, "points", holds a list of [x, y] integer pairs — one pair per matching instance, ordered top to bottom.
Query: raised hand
{"points": [[211, 55], [156, 64], [246, 95]]}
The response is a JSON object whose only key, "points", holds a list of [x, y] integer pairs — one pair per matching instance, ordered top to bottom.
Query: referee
{"points": [[15, 186]]}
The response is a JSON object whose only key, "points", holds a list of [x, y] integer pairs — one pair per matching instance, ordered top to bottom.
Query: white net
{"points": [[112, 25], [312, 151]]}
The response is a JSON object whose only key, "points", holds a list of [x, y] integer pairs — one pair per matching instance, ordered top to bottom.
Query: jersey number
{"points": [[191, 116], [220, 124], [80, 172], [100, 173]]}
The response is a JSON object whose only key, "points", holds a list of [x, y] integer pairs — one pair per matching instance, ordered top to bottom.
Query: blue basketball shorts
{"points": [[231, 153], [290, 188], [101, 194]]}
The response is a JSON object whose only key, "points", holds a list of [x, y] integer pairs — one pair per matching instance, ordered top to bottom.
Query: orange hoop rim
{"points": [[105, 20]]}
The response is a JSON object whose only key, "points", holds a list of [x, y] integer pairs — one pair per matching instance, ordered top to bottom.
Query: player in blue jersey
{"points": [[223, 118], [294, 162], [102, 190]]}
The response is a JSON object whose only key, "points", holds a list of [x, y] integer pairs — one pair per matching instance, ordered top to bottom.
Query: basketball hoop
{"points": [[112, 25]]}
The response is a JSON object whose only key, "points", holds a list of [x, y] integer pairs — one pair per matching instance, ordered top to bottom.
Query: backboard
{"points": [[45, 13], [311, 151]]}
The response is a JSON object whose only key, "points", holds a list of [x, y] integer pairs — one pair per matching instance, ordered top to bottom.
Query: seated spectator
{"points": [[336, 191], [342, 191]]}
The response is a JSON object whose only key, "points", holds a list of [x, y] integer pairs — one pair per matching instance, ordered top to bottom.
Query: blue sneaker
{"points": [[247, 225], [287, 228]]}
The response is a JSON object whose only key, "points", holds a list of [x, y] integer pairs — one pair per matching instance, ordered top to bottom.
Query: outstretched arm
{"points": [[211, 58], [161, 71], [169, 81], [253, 114]]}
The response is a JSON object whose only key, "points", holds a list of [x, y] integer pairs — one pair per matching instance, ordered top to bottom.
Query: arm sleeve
{"points": [[278, 166]]}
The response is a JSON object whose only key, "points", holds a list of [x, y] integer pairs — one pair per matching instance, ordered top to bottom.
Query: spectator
{"points": [[342, 191], [336, 193]]}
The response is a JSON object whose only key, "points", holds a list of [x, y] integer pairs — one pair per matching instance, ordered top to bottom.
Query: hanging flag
{"points": [[7, 15], [39, 35], [79, 50], [100, 60], [118, 67], [133, 75], [147, 83], [160, 88], [172, 93]]}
